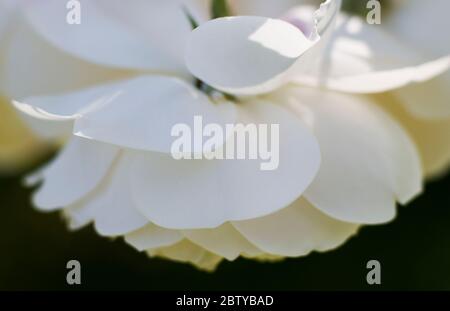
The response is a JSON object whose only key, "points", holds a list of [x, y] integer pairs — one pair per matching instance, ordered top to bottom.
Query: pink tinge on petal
{"points": [[305, 27]]}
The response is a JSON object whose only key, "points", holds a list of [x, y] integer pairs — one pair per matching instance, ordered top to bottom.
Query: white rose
{"points": [[344, 161]]}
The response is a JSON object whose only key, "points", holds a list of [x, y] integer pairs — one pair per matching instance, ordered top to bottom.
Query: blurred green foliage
{"points": [[360, 6]]}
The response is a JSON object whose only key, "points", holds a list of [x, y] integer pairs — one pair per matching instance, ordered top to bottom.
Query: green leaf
{"points": [[220, 8], [191, 18]]}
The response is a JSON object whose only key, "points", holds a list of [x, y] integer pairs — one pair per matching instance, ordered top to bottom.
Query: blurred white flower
{"points": [[423, 27], [413, 30], [31, 65], [16, 140], [344, 162]]}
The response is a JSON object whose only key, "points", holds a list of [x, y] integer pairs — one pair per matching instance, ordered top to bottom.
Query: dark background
{"points": [[414, 252]]}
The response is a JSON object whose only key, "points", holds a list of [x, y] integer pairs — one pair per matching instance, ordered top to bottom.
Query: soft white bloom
{"points": [[423, 26], [413, 30], [31, 65], [16, 141], [344, 161]]}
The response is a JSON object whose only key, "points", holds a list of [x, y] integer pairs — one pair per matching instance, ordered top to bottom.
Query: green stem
{"points": [[220, 8]]}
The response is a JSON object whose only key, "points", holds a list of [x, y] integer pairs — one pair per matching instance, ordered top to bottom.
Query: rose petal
{"points": [[267, 8], [7, 14], [422, 25], [116, 34], [244, 55], [248, 55], [27, 58], [352, 63], [428, 100], [69, 106], [142, 112], [138, 113], [430, 136], [17, 142], [368, 160], [74, 173], [193, 194], [111, 207], [296, 231], [152, 236], [224, 241], [186, 251]]}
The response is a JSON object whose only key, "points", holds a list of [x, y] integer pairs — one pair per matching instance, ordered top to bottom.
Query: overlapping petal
{"points": [[266, 8], [7, 13], [423, 26], [147, 35], [249, 55], [26, 58], [353, 63], [43, 69], [428, 100], [142, 112], [137, 113], [430, 136], [17, 142], [368, 161], [76, 172], [187, 194], [110, 207], [296, 231], [153, 237], [225, 241], [186, 251]]}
